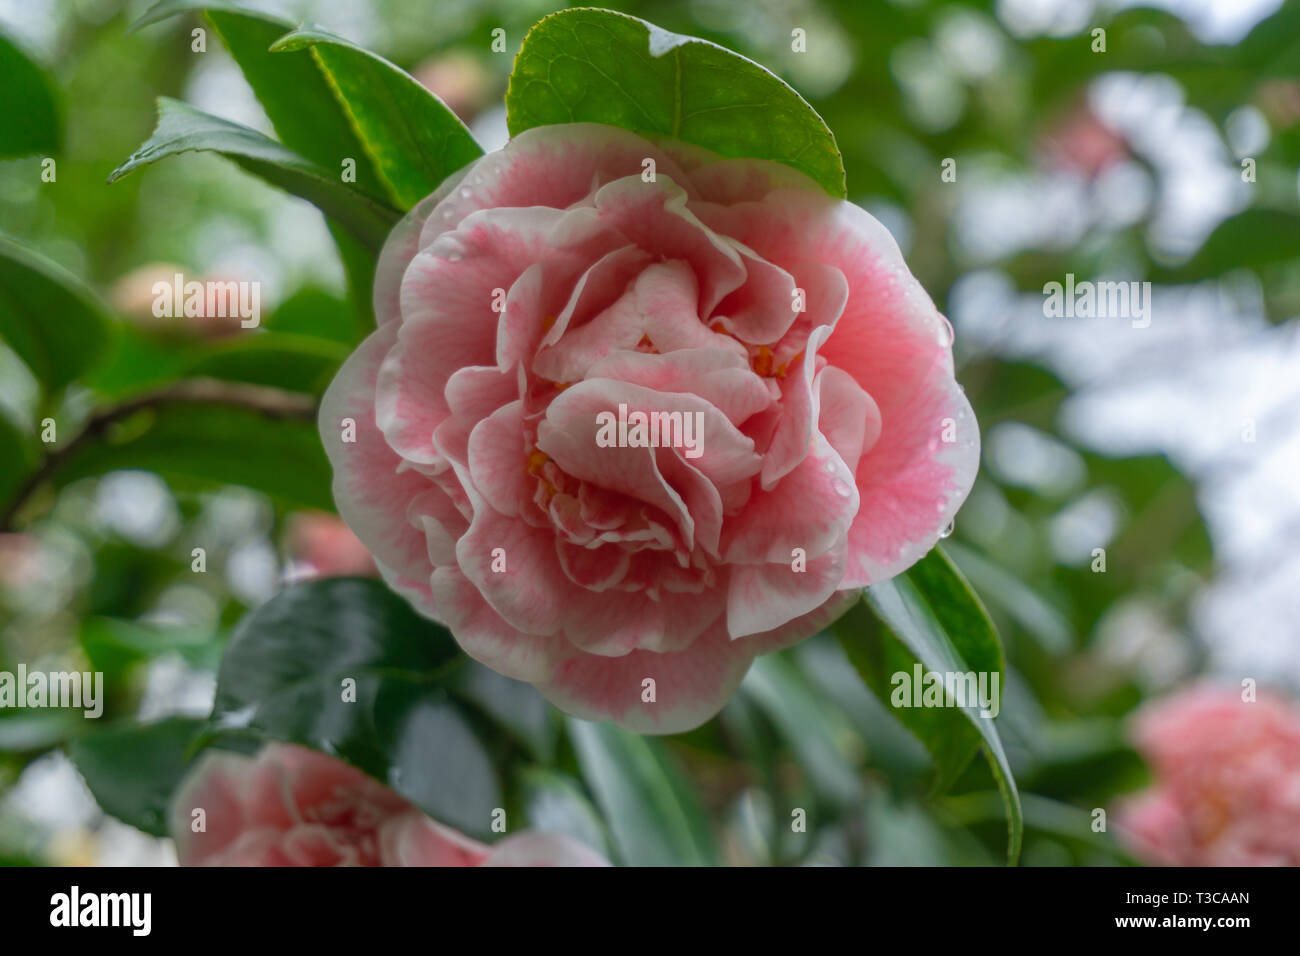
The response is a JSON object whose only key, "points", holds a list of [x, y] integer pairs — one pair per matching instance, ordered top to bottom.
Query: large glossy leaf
{"points": [[603, 67], [296, 95], [29, 105], [306, 113], [182, 128], [414, 140], [48, 317], [210, 441], [1015, 599], [929, 615], [877, 655], [283, 677], [134, 769], [653, 817]]}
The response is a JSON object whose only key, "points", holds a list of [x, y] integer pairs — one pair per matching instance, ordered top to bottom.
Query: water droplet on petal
{"points": [[466, 191], [947, 335], [841, 488], [947, 530]]}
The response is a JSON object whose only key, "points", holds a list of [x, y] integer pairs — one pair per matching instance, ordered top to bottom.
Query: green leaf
{"points": [[597, 66], [290, 86], [301, 104], [29, 105], [181, 128], [414, 140], [1251, 239], [358, 261], [313, 311], [48, 317], [285, 360], [298, 363], [211, 442], [19, 455], [1016, 599], [929, 616], [112, 643], [877, 655], [283, 676], [514, 705], [807, 726], [31, 731], [134, 769], [554, 803], [653, 817]]}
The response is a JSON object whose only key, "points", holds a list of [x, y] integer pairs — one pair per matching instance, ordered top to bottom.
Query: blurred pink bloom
{"points": [[460, 80], [1280, 102], [1082, 142], [134, 295], [327, 546], [20, 560], [1227, 781], [291, 806]]}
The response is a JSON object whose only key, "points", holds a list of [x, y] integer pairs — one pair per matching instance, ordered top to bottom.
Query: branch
{"points": [[271, 402]]}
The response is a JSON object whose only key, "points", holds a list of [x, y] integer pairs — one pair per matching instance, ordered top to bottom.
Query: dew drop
{"points": [[466, 191], [947, 336], [841, 489], [947, 530]]}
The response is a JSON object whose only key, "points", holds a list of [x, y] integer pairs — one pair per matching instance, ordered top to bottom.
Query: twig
{"points": [[271, 402]]}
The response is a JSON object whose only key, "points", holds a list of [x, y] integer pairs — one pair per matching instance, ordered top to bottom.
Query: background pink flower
{"points": [[557, 279], [326, 547], [1227, 781], [291, 806]]}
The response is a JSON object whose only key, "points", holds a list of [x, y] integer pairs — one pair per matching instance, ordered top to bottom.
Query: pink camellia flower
{"points": [[635, 413], [1227, 782], [290, 806]]}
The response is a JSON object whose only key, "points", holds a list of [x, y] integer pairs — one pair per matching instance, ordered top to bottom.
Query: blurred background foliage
{"points": [[1165, 446]]}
